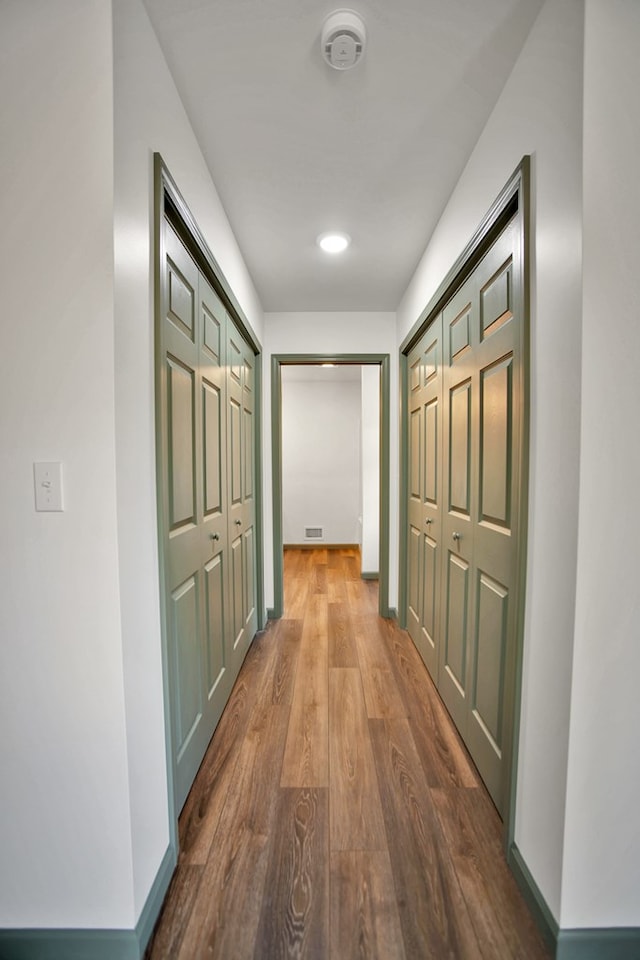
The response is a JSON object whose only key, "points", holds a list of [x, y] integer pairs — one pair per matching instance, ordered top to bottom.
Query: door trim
{"points": [[513, 200], [168, 201], [382, 360]]}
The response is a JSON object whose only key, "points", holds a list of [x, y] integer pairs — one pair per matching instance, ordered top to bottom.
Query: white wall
{"points": [[538, 113], [149, 117], [330, 333], [321, 458], [370, 469], [84, 821], [65, 826], [601, 876]]}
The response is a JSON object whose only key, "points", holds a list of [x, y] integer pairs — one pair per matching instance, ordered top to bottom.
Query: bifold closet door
{"points": [[479, 396], [197, 484], [425, 494], [242, 506]]}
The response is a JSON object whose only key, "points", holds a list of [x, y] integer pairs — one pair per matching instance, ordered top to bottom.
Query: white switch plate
{"points": [[48, 484]]}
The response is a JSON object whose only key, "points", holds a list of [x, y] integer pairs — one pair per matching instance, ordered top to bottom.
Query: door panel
{"points": [[182, 294], [496, 299], [213, 324], [459, 333], [235, 357], [431, 362], [249, 377], [499, 404], [241, 412], [495, 442], [181, 444], [460, 447], [213, 450], [235, 451], [431, 452], [247, 454], [414, 454], [183, 465], [207, 467], [235, 498], [424, 508], [457, 527], [470, 547], [430, 562], [414, 581], [236, 591], [249, 594], [214, 623], [491, 627], [456, 628], [455, 648], [218, 676], [188, 688], [485, 736]]}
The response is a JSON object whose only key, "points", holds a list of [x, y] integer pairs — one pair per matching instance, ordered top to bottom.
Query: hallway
{"points": [[336, 813]]}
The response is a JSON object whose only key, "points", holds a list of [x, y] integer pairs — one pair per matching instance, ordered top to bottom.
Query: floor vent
{"points": [[314, 533]]}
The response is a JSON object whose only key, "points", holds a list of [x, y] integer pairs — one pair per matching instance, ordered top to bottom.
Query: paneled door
{"points": [[481, 395], [198, 446], [425, 494], [242, 512]]}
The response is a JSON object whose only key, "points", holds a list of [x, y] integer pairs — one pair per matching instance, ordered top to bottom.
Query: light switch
{"points": [[48, 484]]}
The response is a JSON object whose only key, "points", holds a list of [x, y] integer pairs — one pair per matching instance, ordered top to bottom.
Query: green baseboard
{"points": [[319, 545], [365, 575], [155, 898], [535, 901], [66, 944], [69, 944], [584, 944], [599, 944]]}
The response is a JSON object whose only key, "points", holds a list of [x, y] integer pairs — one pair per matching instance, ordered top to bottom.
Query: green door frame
{"points": [[513, 200], [168, 201], [381, 360]]}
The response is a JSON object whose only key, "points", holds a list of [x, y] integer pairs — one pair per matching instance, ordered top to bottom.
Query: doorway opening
{"points": [[290, 526]]}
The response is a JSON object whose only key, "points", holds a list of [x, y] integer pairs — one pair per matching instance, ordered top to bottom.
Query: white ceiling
{"points": [[296, 148]]}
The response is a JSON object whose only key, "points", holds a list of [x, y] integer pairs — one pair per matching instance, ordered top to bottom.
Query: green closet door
{"points": [[459, 318], [465, 409], [241, 410], [206, 411], [498, 413], [482, 441], [425, 493], [183, 509], [218, 672]]}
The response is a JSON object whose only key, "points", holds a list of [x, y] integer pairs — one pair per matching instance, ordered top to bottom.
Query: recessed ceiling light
{"points": [[333, 242], [326, 365]]}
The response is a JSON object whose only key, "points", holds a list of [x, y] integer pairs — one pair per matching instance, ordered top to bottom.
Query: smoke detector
{"points": [[343, 39]]}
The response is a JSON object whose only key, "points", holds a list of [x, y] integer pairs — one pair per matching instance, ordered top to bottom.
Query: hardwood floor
{"points": [[336, 814]]}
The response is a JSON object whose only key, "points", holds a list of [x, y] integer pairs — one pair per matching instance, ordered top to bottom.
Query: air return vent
{"points": [[314, 533]]}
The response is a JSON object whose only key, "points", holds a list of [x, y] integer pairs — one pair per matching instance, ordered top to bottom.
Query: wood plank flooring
{"points": [[336, 814]]}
